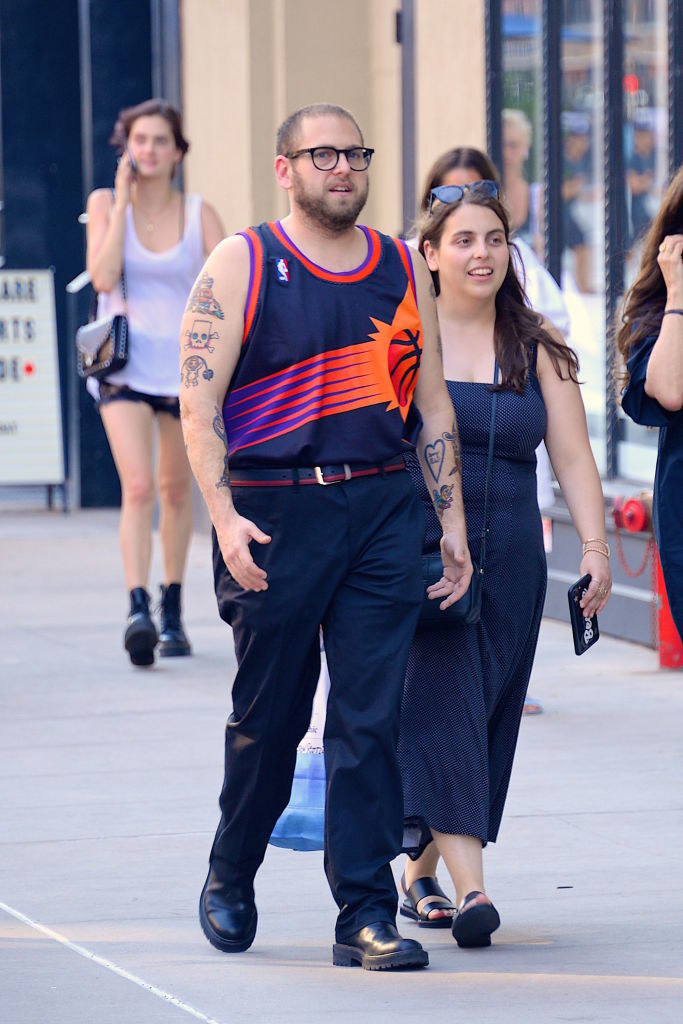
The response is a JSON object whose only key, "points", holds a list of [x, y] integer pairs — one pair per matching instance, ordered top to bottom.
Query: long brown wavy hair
{"points": [[641, 311], [518, 328]]}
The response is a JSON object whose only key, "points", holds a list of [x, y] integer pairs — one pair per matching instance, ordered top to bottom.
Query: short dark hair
{"points": [[149, 108], [287, 132]]}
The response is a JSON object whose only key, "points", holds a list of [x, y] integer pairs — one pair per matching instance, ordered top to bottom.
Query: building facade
{"points": [[579, 102]]}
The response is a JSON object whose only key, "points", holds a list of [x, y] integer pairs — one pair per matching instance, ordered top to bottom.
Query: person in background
{"points": [[464, 165], [640, 174], [576, 176], [521, 197], [159, 238], [650, 340], [465, 684]]}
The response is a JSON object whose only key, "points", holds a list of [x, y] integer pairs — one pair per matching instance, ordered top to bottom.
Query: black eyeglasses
{"points": [[326, 158], [448, 194]]}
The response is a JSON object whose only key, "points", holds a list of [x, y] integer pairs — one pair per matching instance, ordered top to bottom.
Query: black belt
{"points": [[323, 475]]}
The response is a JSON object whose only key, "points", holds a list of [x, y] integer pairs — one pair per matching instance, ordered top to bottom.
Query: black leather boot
{"points": [[140, 637], [173, 642], [228, 918], [379, 947]]}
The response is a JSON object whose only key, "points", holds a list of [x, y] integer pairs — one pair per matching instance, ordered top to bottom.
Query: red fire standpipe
{"points": [[635, 515], [670, 644]]}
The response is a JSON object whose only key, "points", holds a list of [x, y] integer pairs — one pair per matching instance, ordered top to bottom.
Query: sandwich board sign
{"points": [[31, 445]]}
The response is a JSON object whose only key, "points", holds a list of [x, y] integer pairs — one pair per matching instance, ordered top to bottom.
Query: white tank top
{"points": [[157, 288]]}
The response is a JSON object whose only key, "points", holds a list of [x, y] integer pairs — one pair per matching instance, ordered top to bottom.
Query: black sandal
{"points": [[420, 890], [473, 928]]}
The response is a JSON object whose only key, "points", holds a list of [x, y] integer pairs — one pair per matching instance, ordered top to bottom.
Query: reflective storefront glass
{"points": [[522, 120], [646, 150], [583, 161], [583, 202]]}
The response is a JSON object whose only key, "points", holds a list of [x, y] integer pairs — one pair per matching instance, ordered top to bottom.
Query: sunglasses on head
{"points": [[448, 194]]}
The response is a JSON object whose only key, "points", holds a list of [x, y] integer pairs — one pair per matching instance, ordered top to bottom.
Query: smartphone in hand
{"points": [[133, 165], [584, 630]]}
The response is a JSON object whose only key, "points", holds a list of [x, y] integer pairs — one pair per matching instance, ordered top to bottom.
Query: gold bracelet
{"points": [[601, 547]]}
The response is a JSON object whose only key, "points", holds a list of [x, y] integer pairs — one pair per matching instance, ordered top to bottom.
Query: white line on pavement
{"points": [[110, 966]]}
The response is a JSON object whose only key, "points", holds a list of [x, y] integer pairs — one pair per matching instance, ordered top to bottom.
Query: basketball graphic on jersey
{"points": [[403, 338], [405, 350]]}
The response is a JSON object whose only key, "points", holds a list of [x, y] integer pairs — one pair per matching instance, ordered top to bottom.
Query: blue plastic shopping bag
{"points": [[301, 826]]}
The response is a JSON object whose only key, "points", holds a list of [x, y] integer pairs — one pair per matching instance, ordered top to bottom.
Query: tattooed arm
{"points": [[210, 343], [438, 448]]}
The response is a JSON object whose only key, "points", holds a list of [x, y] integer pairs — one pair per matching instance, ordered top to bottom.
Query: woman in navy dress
{"points": [[650, 339], [466, 684]]}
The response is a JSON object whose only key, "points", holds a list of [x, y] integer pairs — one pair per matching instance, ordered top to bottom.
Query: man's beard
{"points": [[334, 221]]}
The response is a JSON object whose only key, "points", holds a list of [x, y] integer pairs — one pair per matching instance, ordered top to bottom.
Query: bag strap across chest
{"points": [[489, 466]]}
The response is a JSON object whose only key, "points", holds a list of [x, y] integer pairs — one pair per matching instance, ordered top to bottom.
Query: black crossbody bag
{"points": [[468, 608]]}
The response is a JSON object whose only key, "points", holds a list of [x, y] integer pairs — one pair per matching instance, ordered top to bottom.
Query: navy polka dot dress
{"points": [[465, 685]]}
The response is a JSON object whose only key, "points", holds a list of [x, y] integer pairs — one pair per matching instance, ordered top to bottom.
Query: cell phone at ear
{"points": [[133, 165], [584, 630]]}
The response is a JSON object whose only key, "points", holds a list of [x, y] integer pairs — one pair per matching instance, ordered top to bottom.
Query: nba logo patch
{"points": [[282, 270]]}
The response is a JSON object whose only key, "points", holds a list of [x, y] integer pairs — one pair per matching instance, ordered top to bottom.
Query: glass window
{"points": [[522, 119], [646, 172], [583, 221], [580, 312]]}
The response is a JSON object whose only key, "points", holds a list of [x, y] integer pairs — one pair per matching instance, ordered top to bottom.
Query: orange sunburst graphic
{"points": [[400, 345], [380, 370]]}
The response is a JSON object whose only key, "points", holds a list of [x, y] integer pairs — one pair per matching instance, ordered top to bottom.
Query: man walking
{"points": [[294, 418]]}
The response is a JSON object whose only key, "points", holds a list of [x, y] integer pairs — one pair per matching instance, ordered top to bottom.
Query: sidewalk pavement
{"points": [[109, 785]]}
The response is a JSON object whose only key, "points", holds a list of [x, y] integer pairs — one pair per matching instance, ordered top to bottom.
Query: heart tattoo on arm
{"points": [[434, 457]]}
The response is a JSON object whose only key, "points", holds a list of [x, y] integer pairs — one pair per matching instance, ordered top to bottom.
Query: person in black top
{"points": [[576, 176], [640, 176], [650, 339], [466, 682]]}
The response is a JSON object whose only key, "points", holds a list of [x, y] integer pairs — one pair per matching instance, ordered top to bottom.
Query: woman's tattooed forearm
{"points": [[202, 301], [219, 430], [454, 438]]}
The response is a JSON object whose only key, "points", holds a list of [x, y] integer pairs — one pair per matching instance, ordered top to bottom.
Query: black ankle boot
{"points": [[141, 636], [173, 642]]}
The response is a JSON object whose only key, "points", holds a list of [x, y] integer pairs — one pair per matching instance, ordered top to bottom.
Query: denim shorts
{"points": [[122, 393]]}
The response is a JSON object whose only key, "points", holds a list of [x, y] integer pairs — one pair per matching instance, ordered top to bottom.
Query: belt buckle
{"points": [[327, 483]]}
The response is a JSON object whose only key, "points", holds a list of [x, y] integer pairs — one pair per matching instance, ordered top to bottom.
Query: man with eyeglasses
{"points": [[294, 426]]}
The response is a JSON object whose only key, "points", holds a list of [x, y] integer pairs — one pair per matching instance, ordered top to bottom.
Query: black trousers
{"points": [[346, 556]]}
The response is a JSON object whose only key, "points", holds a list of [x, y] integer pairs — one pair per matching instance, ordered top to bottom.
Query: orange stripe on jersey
{"points": [[407, 263], [366, 268], [255, 274]]}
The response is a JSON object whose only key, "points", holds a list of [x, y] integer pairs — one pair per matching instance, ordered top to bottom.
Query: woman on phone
{"points": [[158, 238], [465, 684]]}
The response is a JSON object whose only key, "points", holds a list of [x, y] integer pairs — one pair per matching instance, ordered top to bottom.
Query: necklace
{"points": [[150, 225]]}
